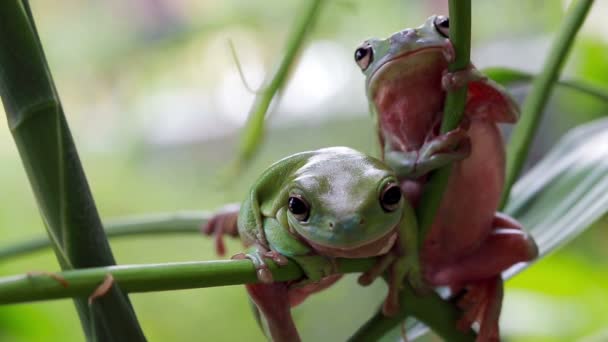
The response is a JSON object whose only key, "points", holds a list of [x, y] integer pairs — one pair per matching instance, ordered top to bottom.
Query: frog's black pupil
{"points": [[445, 23], [360, 53], [392, 195], [297, 206]]}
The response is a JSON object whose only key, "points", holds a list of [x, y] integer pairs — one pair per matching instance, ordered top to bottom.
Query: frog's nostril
{"points": [[362, 221], [331, 225]]}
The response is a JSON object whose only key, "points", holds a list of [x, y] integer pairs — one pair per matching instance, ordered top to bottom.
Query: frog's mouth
{"points": [[376, 247]]}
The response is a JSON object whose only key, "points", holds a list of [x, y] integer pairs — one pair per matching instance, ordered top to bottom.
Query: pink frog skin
{"points": [[469, 243]]}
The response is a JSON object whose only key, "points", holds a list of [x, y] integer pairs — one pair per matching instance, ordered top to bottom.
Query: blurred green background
{"points": [[155, 103]]}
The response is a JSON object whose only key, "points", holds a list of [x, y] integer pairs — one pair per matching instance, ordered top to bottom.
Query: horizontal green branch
{"points": [[158, 224], [200, 274], [150, 277]]}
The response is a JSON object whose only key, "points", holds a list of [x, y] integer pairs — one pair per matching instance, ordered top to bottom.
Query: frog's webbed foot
{"points": [[458, 79], [441, 150], [224, 222], [258, 256], [399, 269], [482, 303]]}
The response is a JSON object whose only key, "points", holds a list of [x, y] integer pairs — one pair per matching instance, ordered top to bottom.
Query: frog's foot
{"points": [[458, 79], [446, 148], [224, 222], [257, 257], [399, 268], [375, 271], [61, 280], [102, 289], [298, 292], [272, 300], [482, 303]]}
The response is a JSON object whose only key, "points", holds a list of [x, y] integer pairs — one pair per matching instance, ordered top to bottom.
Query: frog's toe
{"points": [[458, 79], [277, 257], [261, 268], [416, 280]]}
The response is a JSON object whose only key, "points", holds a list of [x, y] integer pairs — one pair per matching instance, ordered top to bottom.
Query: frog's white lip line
{"points": [[398, 57], [364, 244]]}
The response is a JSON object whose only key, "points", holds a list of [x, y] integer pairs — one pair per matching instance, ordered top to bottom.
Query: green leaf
{"points": [[509, 77], [46, 147]]}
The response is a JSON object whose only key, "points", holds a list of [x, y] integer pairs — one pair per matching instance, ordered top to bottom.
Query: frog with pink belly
{"points": [[469, 243]]}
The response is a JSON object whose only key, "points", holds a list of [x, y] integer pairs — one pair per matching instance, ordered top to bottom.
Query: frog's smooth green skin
{"points": [[313, 207], [469, 244]]}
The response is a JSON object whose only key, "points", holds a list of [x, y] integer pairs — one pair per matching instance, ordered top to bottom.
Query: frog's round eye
{"points": [[442, 25], [364, 56], [390, 197], [298, 207]]}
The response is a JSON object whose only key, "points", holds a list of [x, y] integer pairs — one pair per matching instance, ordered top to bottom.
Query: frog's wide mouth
{"points": [[414, 58], [375, 247]]}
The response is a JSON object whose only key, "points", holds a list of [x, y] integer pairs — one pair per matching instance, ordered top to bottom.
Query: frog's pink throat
{"points": [[399, 59], [407, 94], [377, 247]]}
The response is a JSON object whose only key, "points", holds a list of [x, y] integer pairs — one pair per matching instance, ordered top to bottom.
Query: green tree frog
{"points": [[313, 207], [469, 243]]}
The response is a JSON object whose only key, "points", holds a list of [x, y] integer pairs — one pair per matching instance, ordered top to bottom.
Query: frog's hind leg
{"points": [[506, 245], [272, 301], [482, 302]]}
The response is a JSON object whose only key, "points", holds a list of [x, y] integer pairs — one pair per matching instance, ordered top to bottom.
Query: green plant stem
{"points": [[460, 36], [253, 131], [41, 133], [518, 148], [171, 223], [152, 277], [436, 313]]}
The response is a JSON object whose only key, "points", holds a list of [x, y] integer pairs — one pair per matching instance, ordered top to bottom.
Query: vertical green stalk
{"points": [[460, 36], [542, 86], [254, 128], [47, 150]]}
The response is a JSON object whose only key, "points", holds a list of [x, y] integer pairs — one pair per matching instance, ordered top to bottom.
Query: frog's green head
{"points": [[404, 51], [345, 203]]}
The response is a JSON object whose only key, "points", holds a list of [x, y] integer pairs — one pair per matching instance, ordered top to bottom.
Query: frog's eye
{"points": [[442, 25], [364, 56], [390, 197], [298, 207]]}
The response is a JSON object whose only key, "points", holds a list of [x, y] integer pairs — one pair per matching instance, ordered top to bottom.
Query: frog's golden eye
{"points": [[442, 25], [364, 56], [390, 197], [298, 206]]}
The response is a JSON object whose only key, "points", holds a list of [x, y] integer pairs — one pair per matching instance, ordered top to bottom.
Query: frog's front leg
{"points": [[458, 79], [436, 152], [258, 256], [401, 263]]}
